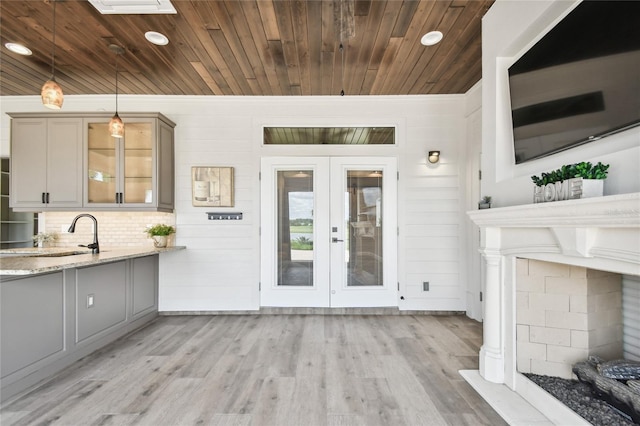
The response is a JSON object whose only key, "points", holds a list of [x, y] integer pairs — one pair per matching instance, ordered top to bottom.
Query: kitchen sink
{"points": [[43, 253], [60, 254]]}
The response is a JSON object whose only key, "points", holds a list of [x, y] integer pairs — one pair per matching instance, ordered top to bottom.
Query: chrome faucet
{"points": [[95, 247]]}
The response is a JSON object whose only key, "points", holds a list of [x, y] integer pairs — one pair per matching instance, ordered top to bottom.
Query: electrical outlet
{"points": [[425, 286], [90, 300]]}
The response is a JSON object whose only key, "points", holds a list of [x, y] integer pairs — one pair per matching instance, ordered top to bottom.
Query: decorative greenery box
{"points": [[582, 180], [568, 189]]}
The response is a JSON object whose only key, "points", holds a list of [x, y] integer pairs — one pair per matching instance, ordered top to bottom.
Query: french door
{"points": [[329, 232]]}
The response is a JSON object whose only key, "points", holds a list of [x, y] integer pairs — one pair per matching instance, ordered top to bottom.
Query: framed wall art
{"points": [[212, 186]]}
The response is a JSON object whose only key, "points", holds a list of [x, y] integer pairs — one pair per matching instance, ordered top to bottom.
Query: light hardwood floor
{"points": [[290, 370]]}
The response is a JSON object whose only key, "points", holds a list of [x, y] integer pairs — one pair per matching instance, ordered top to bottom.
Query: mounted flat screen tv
{"points": [[580, 82]]}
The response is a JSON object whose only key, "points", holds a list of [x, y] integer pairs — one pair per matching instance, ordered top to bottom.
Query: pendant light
{"points": [[52, 96], [116, 126]]}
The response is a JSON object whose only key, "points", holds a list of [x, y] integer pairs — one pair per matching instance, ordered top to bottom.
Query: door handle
{"points": [[336, 240]]}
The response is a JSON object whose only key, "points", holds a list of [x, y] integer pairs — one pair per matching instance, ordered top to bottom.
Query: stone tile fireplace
{"points": [[552, 287], [564, 314]]}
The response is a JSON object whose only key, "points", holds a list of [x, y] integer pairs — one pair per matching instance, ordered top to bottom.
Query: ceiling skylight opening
{"points": [[136, 7], [156, 38], [431, 38], [18, 48]]}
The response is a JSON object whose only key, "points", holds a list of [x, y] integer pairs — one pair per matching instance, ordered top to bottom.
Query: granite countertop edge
{"points": [[34, 261]]}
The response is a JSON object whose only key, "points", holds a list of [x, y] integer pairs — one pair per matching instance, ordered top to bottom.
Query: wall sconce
{"points": [[434, 157]]}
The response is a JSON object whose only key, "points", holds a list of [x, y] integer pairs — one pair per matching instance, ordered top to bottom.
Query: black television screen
{"points": [[580, 82]]}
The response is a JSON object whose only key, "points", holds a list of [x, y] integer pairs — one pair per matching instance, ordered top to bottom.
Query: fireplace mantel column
{"points": [[492, 353]]}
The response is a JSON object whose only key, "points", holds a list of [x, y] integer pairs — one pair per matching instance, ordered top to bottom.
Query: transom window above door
{"points": [[329, 135]]}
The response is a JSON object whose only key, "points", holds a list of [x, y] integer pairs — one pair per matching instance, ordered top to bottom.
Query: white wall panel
{"points": [[509, 28], [220, 268]]}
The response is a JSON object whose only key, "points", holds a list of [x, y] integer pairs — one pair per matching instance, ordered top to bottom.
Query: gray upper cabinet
{"points": [[71, 162], [46, 163], [132, 173]]}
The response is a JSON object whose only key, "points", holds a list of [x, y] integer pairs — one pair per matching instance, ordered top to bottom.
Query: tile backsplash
{"points": [[115, 229]]}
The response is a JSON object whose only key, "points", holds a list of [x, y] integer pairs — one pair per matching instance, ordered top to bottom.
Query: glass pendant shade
{"points": [[52, 96], [116, 127]]}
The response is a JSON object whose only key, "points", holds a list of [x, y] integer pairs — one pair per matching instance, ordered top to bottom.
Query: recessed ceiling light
{"points": [[156, 38], [431, 38], [18, 48]]}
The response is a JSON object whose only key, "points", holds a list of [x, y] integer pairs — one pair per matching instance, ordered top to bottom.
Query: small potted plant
{"points": [[485, 203], [160, 233], [44, 239]]}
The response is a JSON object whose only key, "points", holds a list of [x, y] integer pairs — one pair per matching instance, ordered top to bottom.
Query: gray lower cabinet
{"points": [[144, 290], [101, 301], [51, 320], [32, 322]]}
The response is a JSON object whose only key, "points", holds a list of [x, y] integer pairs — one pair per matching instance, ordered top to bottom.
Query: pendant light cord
{"points": [[53, 50], [342, 69], [117, 83]]}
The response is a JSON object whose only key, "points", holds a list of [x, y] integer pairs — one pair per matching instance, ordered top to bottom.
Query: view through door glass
{"points": [[363, 216], [295, 228]]}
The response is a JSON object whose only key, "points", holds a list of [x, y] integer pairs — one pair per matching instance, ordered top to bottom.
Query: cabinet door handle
{"points": [[117, 197], [47, 198], [43, 201]]}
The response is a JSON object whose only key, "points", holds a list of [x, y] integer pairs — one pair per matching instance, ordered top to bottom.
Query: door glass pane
{"points": [[138, 163], [101, 164], [363, 210], [295, 228]]}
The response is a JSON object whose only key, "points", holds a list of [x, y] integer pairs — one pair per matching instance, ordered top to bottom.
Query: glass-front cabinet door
{"points": [[101, 162], [138, 163], [120, 171]]}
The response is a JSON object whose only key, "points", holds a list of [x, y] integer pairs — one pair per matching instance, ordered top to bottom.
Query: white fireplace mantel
{"points": [[598, 233]]}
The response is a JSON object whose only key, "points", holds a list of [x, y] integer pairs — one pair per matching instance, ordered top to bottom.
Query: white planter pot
{"points": [[568, 190], [159, 241]]}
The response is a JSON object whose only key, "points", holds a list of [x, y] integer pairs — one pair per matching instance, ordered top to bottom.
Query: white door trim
{"points": [[329, 284]]}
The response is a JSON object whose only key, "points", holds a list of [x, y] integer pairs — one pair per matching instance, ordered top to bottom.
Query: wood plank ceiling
{"points": [[245, 47]]}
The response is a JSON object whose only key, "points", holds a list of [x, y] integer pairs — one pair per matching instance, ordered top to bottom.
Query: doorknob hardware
{"points": [[336, 240]]}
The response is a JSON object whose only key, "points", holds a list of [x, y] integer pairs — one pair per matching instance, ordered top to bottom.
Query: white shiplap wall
{"points": [[220, 269]]}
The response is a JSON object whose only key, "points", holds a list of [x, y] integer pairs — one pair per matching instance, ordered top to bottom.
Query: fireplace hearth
{"points": [[581, 398]]}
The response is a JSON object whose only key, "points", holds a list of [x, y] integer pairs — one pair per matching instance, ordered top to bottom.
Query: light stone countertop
{"points": [[30, 261]]}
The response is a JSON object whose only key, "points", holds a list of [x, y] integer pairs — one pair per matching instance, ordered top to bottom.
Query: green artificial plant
{"points": [[583, 170]]}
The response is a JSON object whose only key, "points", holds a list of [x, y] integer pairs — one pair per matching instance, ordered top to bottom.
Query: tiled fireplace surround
{"points": [[553, 287], [565, 313]]}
